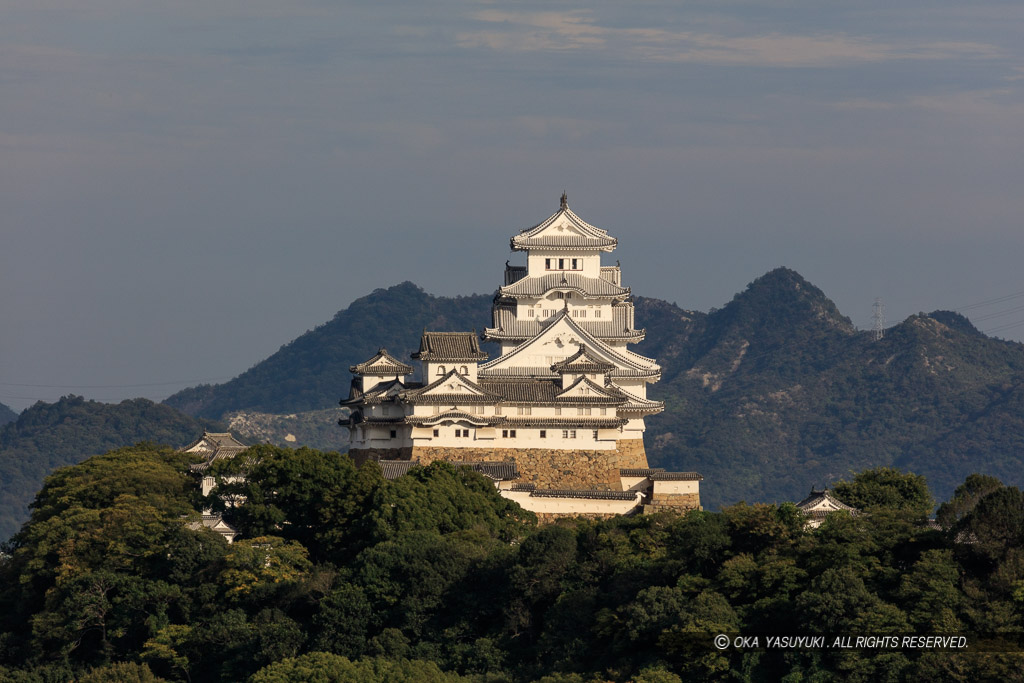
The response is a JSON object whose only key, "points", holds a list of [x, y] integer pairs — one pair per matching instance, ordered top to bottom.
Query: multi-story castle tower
{"points": [[561, 409]]}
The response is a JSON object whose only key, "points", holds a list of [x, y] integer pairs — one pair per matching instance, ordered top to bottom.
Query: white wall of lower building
{"points": [[576, 506]]}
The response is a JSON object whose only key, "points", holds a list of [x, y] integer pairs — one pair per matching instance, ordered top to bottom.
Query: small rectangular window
{"points": [[547, 263], [561, 264], [575, 264], [530, 313], [597, 313], [547, 314], [524, 410], [558, 411], [604, 411], [437, 432], [394, 433], [504, 433], [512, 433], [565, 433], [572, 433], [543, 434], [595, 435]]}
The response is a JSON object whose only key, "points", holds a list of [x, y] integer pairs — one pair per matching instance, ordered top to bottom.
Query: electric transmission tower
{"points": [[878, 319]]}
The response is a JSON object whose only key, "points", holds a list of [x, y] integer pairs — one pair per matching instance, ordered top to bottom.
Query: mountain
{"points": [[311, 372], [777, 392], [771, 394], [7, 415], [51, 435]]}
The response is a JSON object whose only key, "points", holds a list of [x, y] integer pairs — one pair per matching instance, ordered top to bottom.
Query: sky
{"points": [[187, 186]]}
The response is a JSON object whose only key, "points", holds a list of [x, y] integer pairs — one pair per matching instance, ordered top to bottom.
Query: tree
{"points": [[886, 487], [966, 496]]}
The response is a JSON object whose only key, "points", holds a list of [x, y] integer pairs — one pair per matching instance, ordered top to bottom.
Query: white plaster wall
{"points": [[634, 483], [664, 488], [571, 505]]}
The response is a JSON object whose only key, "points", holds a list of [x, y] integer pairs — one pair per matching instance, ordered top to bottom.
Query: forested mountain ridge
{"points": [[311, 372], [777, 392], [771, 394], [7, 415], [47, 436]]}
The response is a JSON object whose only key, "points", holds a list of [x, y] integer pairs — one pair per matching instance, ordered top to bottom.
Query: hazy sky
{"points": [[186, 186]]}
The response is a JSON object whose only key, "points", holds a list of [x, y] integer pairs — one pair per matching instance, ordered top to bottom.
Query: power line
{"points": [[997, 300], [112, 386]]}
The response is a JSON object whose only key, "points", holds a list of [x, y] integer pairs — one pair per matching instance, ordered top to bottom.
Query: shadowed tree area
{"points": [[341, 575]]}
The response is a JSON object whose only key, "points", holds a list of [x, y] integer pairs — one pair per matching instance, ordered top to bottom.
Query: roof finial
{"points": [[565, 201]]}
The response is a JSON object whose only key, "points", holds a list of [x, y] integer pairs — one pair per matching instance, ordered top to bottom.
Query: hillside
{"points": [[311, 372], [777, 392], [767, 396], [7, 415], [51, 435]]}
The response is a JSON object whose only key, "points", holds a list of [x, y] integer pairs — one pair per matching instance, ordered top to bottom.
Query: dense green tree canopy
{"points": [[340, 575]]}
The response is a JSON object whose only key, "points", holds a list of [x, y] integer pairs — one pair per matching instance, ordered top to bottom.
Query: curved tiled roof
{"points": [[582, 235], [588, 287], [508, 326], [450, 346], [382, 364], [452, 416], [566, 422], [213, 446], [639, 471], [675, 476], [594, 495], [816, 498]]}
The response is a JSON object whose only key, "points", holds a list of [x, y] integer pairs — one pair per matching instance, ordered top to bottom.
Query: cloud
{"points": [[578, 30]]}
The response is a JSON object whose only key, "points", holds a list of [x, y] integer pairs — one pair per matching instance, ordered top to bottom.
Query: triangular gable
{"points": [[563, 223], [554, 339], [582, 361], [382, 364], [454, 386], [585, 388]]}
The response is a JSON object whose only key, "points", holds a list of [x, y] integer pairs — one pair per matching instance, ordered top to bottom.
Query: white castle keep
{"points": [[557, 419]]}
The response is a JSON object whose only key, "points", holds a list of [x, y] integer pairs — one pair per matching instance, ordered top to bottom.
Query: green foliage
{"points": [[48, 436], [885, 487], [966, 496], [435, 578], [323, 667]]}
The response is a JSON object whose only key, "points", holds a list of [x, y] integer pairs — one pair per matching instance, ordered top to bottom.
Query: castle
{"points": [[557, 419]]}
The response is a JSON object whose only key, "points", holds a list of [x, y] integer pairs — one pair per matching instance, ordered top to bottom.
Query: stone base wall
{"points": [[632, 453], [361, 455], [545, 468], [548, 468], [682, 502], [549, 517]]}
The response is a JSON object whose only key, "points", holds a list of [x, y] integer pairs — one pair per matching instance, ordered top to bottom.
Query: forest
{"points": [[341, 575]]}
